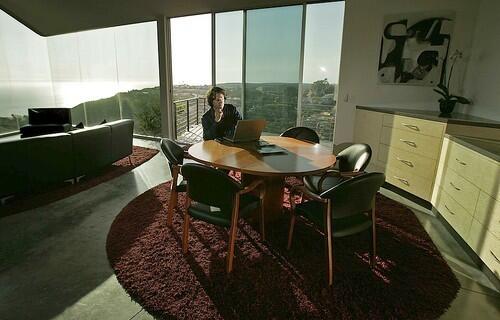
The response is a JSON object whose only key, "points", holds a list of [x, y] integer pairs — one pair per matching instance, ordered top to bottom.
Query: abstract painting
{"points": [[414, 48]]}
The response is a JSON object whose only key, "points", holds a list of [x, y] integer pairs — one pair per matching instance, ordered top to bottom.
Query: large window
{"points": [[323, 39], [273, 44], [229, 53], [272, 64], [191, 70], [104, 74], [108, 74]]}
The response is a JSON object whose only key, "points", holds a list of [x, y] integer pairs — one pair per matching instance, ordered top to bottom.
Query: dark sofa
{"points": [[30, 164]]}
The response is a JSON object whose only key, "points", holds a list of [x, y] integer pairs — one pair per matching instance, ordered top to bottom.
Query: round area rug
{"points": [[53, 193], [411, 280]]}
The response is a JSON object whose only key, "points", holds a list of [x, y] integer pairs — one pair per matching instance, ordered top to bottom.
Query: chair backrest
{"points": [[301, 133], [173, 152], [354, 158], [210, 186], [355, 195]]}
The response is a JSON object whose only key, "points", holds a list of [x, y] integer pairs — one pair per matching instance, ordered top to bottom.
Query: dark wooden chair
{"points": [[301, 133], [175, 156], [351, 161], [216, 198], [340, 211]]}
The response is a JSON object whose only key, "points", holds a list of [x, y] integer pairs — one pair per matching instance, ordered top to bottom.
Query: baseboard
{"points": [[410, 196]]}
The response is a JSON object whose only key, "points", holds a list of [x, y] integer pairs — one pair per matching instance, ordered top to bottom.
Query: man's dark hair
{"points": [[211, 94]]}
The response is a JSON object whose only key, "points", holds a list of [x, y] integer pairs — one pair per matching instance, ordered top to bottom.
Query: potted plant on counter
{"points": [[448, 101]]}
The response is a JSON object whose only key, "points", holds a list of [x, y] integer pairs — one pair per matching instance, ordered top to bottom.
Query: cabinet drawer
{"points": [[426, 127], [412, 142], [408, 162], [476, 168], [414, 184], [463, 191], [454, 213], [488, 213], [486, 245]]}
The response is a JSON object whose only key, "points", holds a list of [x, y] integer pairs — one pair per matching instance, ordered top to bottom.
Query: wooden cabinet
{"points": [[406, 149], [466, 194]]}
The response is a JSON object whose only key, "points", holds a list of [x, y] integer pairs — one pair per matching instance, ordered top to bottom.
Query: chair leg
{"points": [[130, 160], [172, 204], [262, 222], [290, 231], [185, 233], [232, 235], [329, 243], [373, 251]]}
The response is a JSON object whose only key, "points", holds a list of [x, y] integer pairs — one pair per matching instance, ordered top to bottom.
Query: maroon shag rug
{"points": [[29, 201], [411, 279]]}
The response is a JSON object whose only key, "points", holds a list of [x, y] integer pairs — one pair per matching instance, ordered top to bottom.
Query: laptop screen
{"points": [[248, 130]]}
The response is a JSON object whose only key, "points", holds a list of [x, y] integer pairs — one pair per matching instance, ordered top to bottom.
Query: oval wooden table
{"points": [[299, 158]]}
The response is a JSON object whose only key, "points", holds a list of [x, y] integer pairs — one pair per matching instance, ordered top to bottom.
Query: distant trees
{"points": [[321, 92], [150, 120]]}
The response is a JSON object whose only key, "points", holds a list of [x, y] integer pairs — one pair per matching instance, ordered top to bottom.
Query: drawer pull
{"points": [[411, 126], [409, 142], [461, 162], [408, 163], [403, 181], [454, 186], [452, 213], [494, 256]]}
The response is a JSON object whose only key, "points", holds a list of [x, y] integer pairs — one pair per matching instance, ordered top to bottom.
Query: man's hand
{"points": [[218, 116]]}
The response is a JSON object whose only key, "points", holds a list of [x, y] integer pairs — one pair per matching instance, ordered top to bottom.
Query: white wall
{"points": [[482, 80], [358, 83]]}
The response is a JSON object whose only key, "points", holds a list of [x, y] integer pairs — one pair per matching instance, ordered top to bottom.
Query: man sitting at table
{"points": [[220, 120]]}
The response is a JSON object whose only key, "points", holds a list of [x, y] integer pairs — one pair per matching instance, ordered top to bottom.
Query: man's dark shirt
{"points": [[225, 127]]}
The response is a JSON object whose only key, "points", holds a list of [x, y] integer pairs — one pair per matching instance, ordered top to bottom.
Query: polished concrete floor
{"points": [[53, 263]]}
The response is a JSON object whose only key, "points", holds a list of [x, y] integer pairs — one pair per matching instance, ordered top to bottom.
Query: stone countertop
{"points": [[455, 118], [488, 148]]}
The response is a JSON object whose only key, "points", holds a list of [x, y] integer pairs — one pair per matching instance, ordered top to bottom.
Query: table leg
{"points": [[273, 197]]}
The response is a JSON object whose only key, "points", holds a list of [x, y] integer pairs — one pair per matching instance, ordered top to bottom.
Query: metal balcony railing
{"points": [[188, 113]]}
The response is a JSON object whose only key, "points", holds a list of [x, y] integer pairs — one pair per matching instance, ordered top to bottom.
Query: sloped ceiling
{"points": [[52, 17]]}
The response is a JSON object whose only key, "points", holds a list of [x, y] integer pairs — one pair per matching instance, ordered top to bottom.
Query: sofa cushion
{"points": [[38, 116], [31, 130], [122, 132], [91, 149], [51, 159], [14, 171]]}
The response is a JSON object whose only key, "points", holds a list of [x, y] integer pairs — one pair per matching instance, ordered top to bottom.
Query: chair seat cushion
{"points": [[311, 182], [313, 211], [217, 216]]}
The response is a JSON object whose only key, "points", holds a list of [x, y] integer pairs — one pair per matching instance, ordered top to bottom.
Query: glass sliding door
{"points": [[323, 40], [273, 42], [228, 55], [191, 72], [138, 76]]}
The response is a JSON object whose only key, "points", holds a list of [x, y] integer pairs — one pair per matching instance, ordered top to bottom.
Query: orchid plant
{"points": [[444, 87]]}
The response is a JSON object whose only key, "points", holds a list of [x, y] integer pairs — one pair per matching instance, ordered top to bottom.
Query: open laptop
{"points": [[247, 131]]}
